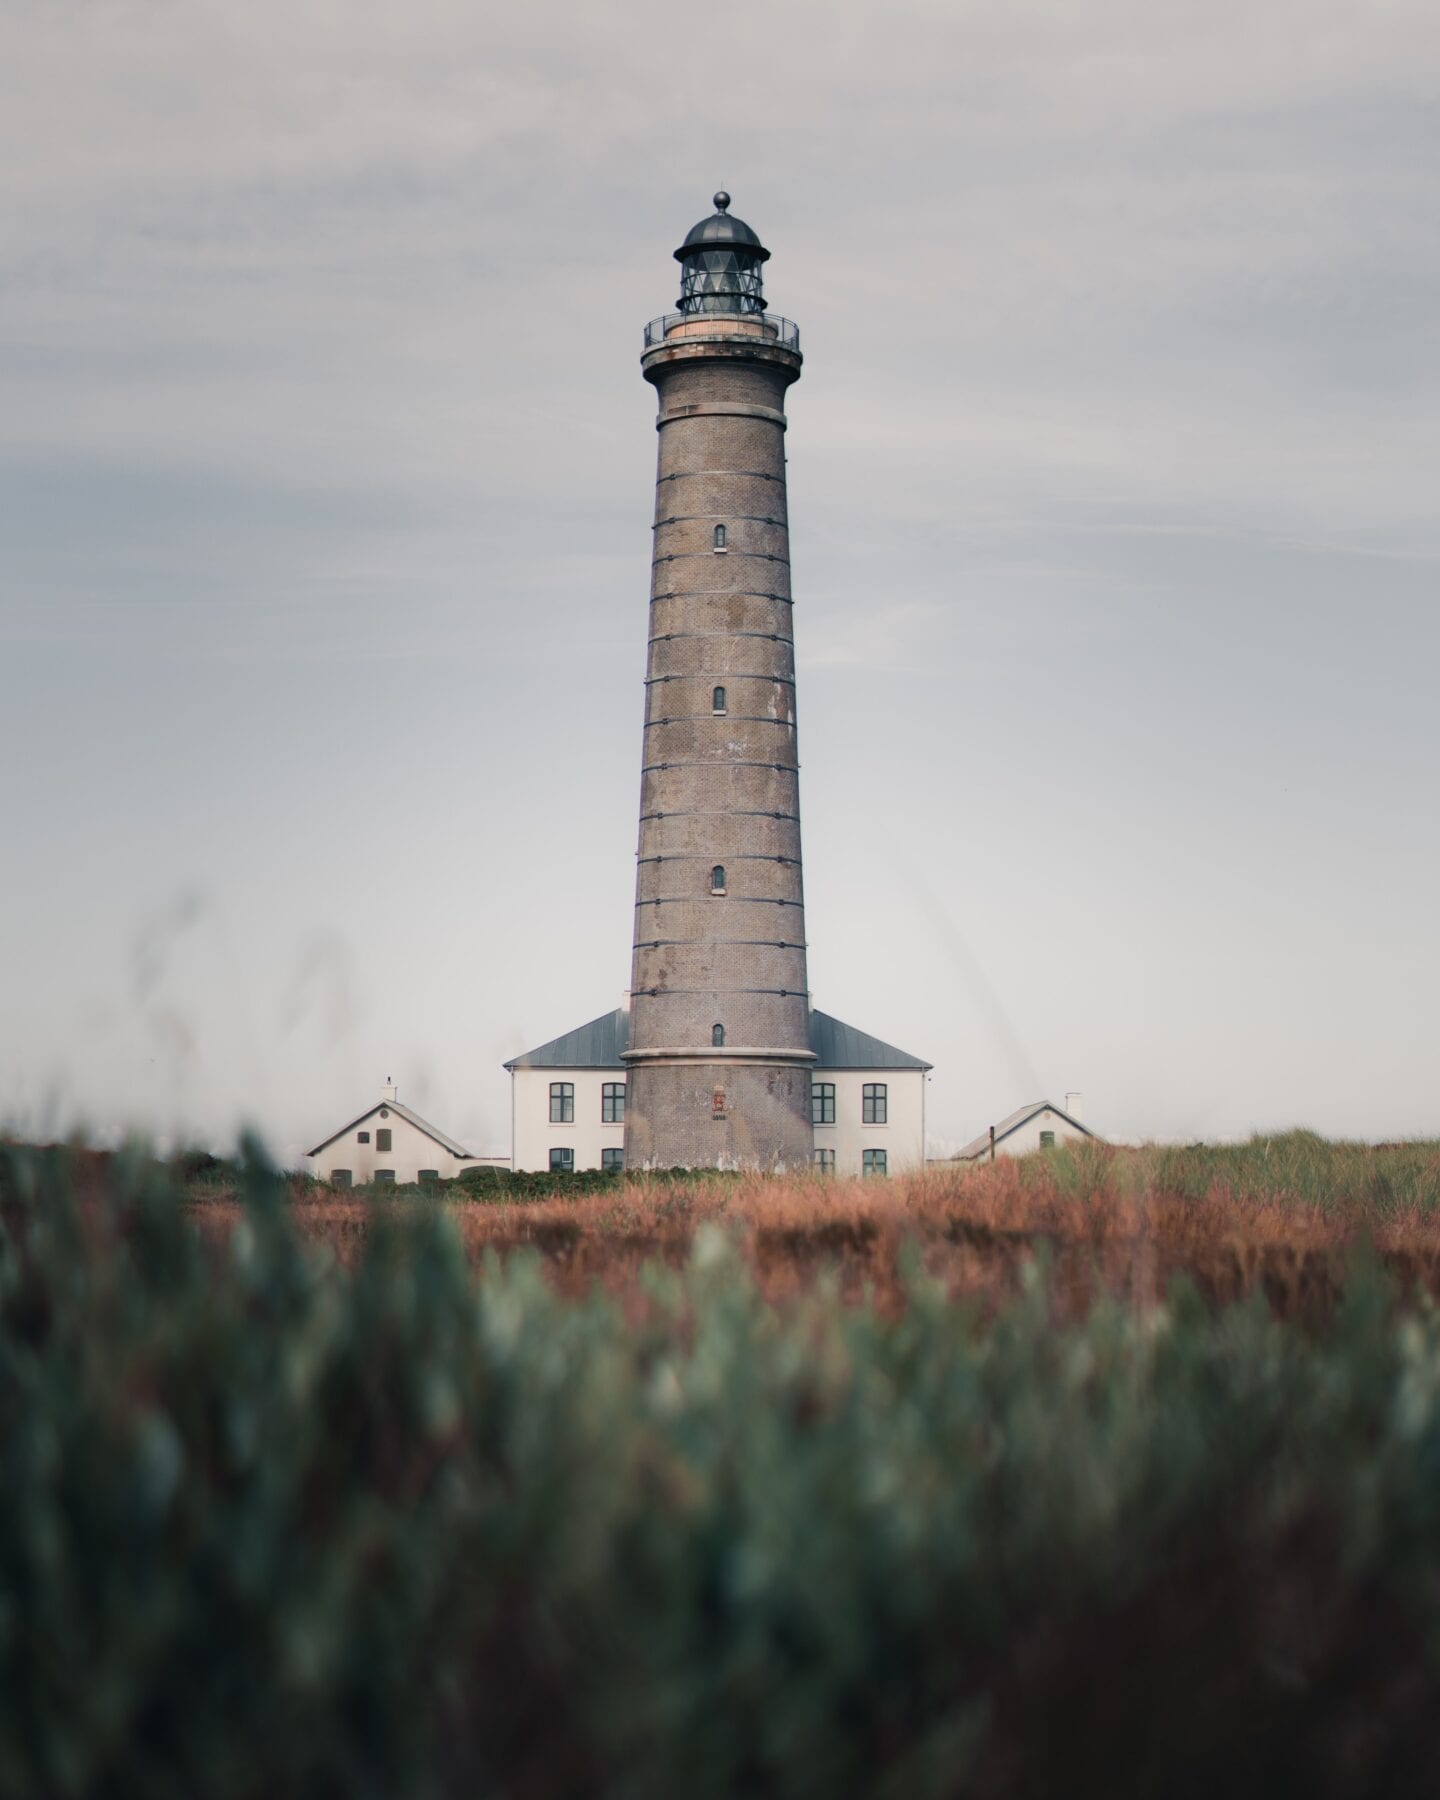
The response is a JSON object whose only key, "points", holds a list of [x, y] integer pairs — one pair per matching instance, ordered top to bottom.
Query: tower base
{"points": [[714, 1115]]}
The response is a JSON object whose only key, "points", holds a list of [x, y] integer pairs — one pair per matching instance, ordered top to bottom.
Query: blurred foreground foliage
{"points": [[271, 1526]]}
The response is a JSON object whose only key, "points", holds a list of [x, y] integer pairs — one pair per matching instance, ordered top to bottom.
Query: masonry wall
{"points": [[719, 784]]}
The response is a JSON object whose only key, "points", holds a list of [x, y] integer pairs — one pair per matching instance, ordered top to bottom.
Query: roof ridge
{"points": [[412, 1118]]}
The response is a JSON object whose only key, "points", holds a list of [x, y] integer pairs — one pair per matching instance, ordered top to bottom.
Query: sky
{"points": [[326, 479]]}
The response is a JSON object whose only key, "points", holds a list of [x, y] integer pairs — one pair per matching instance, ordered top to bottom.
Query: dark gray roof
{"points": [[721, 229], [602, 1043], [598, 1045], [840, 1046], [404, 1112], [1012, 1122]]}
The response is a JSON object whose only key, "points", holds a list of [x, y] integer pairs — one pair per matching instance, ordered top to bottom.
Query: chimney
{"points": [[389, 1089], [1075, 1106]]}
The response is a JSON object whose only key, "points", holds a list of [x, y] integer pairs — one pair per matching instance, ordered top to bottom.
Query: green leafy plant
{"points": [[271, 1524]]}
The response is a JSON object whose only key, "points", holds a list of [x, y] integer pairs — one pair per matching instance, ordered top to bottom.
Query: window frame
{"points": [[719, 540], [719, 700], [717, 887], [717, 1036], [562, 1094], [822, 1101], [612, 1103], [875, 1103], [1047, 1140], [384, 1141], [822, 1160], [612, 1161], [566, 1163], [874, 1165], [383, 1177], [342, 1178]]}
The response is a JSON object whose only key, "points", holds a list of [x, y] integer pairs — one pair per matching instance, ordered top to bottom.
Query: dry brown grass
{"points": [[1117, 1221]]}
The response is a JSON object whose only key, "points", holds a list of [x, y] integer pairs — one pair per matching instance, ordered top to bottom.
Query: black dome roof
{"points": [[720, 230]]}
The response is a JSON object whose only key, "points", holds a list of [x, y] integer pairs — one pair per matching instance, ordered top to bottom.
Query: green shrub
{"points": [[489, 1183], [269, 1527]]}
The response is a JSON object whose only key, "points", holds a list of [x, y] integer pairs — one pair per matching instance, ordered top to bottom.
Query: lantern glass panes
{"points": [[721, 280]]}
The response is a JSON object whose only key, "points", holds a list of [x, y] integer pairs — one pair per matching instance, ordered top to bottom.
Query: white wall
{"points": [[535, 1136], [902, 1137], [1026, 1138], [410, 1151]]}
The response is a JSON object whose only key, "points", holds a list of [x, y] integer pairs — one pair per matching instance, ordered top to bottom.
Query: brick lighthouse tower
{"points": [[718, 1066]]}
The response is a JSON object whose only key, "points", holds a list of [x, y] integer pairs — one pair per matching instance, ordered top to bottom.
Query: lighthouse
{"points": [[718, 1068]]}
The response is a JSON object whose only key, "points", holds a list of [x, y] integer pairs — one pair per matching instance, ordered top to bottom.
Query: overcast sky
{"points": [[325, 488]]}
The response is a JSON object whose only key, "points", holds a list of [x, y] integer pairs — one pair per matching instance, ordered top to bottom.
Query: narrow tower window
{"points": [[719, 537], [717, 700], [717, 879], [717, 1035]]}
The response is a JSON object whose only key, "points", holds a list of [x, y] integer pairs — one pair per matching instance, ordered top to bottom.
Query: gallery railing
{"points": [[780, 331]]}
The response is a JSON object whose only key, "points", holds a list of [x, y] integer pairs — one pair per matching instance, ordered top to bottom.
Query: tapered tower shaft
{"points": [[719, 1053]]}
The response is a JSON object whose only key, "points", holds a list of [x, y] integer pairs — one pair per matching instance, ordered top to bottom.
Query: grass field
{"points": [[1284, 1215], [1112, 1472]]}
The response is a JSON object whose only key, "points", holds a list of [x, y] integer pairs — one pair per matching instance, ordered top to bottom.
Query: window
{"points": [[719, 537], [717, 700], [717, 879], [717, 1035], [822, 1102], [562, 1103], [717, 1103], [612, 1104], [874, 1104], [362, 1137], [382, 1140], [1047, 1140], [612, 1161], [823, 1161], [562, 1162], [872, 1162], [385, 1175], [428, 1175], [340, 1178]]}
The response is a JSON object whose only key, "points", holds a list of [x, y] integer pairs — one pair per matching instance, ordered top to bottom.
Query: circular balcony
{"points": [[677, 326]]}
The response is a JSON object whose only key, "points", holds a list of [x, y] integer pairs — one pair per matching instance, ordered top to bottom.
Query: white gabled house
{"points": [[867, 1100], [1039, 1126], [390, 1143]]}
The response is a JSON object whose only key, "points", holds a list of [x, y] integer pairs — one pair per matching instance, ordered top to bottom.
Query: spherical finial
{"points": [[722, 201]]}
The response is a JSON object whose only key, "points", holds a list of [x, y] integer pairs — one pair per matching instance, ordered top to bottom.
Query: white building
{"points": [[867, 1100], [1039, 1126], [390, 1143]]}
